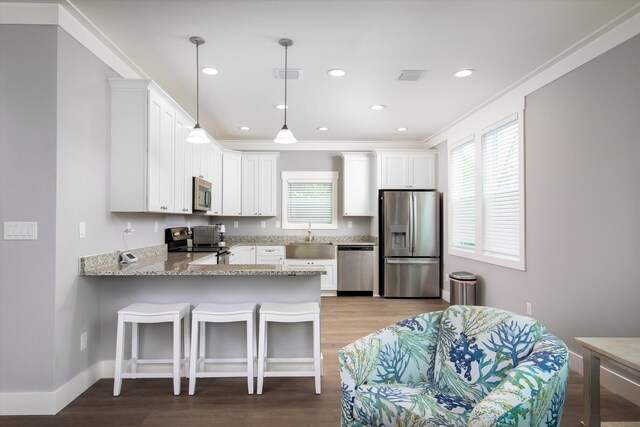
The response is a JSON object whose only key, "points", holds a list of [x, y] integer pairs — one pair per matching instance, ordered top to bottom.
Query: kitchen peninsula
{"points": [[162, 277]]}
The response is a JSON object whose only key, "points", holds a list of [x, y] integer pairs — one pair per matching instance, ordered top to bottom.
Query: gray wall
{"points": [[54, 132], [301, 161], [27, 191], [582, 204]]}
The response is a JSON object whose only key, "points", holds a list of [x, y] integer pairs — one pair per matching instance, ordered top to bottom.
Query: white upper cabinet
{"points": [[407, 170], [146, 171], [182, 178], [259, 181], [232, 183], [356, 184], [216, 199]]}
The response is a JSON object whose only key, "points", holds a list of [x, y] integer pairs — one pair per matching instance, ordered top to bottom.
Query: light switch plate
{"points": [[82, 229], [17, 230]]}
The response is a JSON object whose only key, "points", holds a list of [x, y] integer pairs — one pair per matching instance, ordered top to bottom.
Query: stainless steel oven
{"points": [[201, 194]]}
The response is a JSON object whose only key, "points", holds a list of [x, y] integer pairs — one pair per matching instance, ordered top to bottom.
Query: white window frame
{"points": [[310, 177], [478, 253]]}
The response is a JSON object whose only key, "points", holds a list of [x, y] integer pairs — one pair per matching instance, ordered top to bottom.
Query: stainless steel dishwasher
{"points": [[355, 270]]}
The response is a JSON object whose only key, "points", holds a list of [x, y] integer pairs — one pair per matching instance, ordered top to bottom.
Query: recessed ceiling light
{"points": [[210, 71], [336, 72], [463, 73], [282, 107], [378, 107], [244, 128], [323, 128], [401, 129]]}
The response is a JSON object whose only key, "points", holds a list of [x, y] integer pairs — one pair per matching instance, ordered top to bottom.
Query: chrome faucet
{"points": [[309, 237]]}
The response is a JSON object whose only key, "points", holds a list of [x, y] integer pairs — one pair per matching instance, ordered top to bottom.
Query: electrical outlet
{"points": [[188, 224], [235, 224], [263, 224], [277, 224], [349, 224], [155, 226], [128, 229], [82, 230], [528, 309], [83, 340]]}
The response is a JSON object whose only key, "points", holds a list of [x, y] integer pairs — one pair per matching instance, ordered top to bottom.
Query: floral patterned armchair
{"points": [[465, 366]]}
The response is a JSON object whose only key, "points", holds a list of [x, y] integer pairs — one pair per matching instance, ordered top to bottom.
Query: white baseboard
{"points": [[446, 296], [618, 384], [52, 402]]}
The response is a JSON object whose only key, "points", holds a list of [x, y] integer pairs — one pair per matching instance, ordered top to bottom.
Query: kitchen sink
{"points": [[310, 250]]}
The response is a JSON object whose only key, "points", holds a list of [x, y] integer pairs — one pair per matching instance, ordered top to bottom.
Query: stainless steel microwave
{"points": [[201, 194]]}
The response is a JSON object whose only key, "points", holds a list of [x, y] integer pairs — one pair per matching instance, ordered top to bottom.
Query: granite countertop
{"points": [[158, 263]]}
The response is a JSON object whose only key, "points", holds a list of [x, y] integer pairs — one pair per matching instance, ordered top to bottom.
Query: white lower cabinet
{"points": [[243, 255], [270, 255], [329, 281]]}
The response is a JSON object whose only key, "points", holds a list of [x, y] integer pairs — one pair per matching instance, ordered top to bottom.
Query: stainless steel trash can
{"points": [[462, 288]]}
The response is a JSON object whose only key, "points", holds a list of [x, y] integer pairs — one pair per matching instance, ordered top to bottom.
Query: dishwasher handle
{"points": [[355, 248]]}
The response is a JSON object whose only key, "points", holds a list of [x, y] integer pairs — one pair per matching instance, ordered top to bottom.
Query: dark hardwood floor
{"points": [[286, 401]]}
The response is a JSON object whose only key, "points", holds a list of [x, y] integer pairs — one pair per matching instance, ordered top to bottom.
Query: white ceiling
{"points": [[371, 39]]}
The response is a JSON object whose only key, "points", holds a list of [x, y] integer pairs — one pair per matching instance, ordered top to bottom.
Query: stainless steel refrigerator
{"points": [[410, 230]]}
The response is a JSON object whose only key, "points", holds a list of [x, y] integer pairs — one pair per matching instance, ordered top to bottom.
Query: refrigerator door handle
{"points": [[411, 222], [414, 223], [412, 261]]}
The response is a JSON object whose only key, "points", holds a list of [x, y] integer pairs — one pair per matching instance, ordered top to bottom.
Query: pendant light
{"points": [[197, 134], [285, 136]]}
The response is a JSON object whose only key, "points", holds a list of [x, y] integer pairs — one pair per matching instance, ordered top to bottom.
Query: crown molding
{"points": [[78, 26], [610, 35], [269, 145]]}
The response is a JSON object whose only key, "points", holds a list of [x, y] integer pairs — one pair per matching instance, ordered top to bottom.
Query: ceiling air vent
{"points": [[293, 74], [410, 75]]}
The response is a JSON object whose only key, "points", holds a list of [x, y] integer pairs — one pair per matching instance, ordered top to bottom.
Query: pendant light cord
{"points": [[286, 47], [198, 83]]}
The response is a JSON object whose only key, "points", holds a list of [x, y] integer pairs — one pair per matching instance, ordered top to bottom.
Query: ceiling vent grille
{"points": [[292, 74], [410, 75]]}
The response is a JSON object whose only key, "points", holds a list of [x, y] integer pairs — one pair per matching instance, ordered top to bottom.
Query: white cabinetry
{"points": [[151, 162], [407, 170], [259, 176], [182, 180], [232, 183], [356, 184], [216, 198], [243, 255], [270, 255], [329, 281]]}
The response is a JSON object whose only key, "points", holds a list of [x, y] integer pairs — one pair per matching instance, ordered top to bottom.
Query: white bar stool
{"points": [[151, 313], [221, 313], [289, 313]]}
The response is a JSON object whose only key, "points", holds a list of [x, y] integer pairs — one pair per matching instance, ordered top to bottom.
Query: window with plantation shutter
{"points": [[501, 191], [463, 195], [309, 198], [486, 200]]}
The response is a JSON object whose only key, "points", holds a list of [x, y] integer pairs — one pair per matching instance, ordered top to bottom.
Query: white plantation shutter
{"points": [[501, 191], [463, 195], [310, 202]]}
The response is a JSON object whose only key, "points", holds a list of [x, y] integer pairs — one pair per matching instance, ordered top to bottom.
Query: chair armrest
{"points": [[400, 353], [532, 393]]}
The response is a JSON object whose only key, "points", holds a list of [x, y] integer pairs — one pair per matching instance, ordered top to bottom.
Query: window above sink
{"points": [[309, 198]]}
